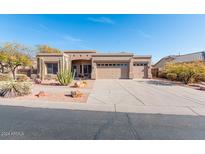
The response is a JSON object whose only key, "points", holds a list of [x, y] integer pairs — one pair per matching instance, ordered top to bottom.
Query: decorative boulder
{"points": [[37, 81], [85, 82], [77, 84], [202, 88], [41, 94], [76, 94]]}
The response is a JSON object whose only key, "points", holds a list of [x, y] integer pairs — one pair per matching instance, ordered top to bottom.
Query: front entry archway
{"points": [[82, 68]]}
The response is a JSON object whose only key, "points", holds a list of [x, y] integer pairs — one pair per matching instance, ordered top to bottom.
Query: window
{"points": [[98, 64], [102, 64], [106, 64], [110, 64], [114, 64], [118, 64], [140, 64], [52, 68], [80, 68], [86, 69]]}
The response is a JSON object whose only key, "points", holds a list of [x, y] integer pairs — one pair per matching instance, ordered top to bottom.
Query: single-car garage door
{"points": [[112, 70], [140, 70]]}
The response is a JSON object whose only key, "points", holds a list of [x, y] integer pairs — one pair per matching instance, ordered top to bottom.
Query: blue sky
{"points": [[156, 35]]}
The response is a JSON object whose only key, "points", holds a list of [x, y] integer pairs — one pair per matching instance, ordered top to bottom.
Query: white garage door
{"points": [[112, 70]]}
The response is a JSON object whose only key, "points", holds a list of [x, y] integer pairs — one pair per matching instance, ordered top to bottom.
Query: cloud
{"points": [[101, 20], [44, 27], [143, 34], [71, 39]]}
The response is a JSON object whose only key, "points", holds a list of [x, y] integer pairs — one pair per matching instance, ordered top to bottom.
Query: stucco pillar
{"points": [[69, 63], [66, 64], [60, 65], [42, 68], [82, 69], [131, 69], [94, 70], [149, 70]]}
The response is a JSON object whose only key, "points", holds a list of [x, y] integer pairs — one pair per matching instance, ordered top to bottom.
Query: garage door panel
{"points": [[112, 72], [140, 72]]}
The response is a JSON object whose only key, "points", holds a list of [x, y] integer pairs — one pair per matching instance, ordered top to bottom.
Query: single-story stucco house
{"points": [[196, 56], [93, 65]]}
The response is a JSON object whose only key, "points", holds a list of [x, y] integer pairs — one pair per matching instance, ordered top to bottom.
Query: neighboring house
{"points": [[197, 56], [89, 64], [30, 71]]}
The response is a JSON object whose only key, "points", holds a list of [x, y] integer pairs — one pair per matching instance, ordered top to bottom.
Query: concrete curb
{"points": [[170, 110]]}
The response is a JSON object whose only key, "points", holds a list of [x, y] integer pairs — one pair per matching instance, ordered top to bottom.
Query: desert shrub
{"points": [[187, 72], [162, 74], [34, 76], [171, 76], [5, 77], [65, 77], [21, 78], [13, 88]]}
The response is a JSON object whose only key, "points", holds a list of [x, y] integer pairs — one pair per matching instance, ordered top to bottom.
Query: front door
{"points": [[87, 70]]}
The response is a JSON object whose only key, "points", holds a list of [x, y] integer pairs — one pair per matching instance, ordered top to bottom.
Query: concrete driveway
{"points": [[131, 96], [148, 96]]}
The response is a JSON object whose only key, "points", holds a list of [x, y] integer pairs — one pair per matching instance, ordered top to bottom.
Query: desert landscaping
{"points": [[18, 85], [51, 91]]}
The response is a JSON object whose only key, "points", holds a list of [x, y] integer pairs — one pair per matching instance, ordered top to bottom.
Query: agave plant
{"points": [[65, 77], [13, 88]]}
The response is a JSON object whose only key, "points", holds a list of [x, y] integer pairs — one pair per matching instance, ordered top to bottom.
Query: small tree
{"points": [[47, 49], [13, 55], [3, 57]]}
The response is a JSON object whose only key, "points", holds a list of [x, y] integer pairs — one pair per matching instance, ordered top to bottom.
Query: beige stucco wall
{"points": [[42, 60], [65, 61], [142, 71]]}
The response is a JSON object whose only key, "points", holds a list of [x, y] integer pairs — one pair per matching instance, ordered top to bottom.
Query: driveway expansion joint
{"points": [[131, 94], [193, 111]]}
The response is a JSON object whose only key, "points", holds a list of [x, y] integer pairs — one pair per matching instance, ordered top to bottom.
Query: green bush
{"points": [[187, 72], [172, 76], [5, 77], [65, 77], [21, 78], [13, 88]]}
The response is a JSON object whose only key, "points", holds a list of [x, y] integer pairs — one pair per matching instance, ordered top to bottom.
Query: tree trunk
{"points": [[2, 68], [14, 74]]}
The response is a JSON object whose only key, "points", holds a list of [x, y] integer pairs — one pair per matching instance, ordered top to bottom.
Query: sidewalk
{"points": [[108, 107]]}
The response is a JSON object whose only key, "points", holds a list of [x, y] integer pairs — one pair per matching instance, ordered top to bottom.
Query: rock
{"points": [[37, 81], [77, 84], [80, 84], [202, 88], [41, 94], [76, 94]]}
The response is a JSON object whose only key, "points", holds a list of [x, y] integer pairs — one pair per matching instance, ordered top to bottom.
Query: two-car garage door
{"points": [[112, 70]]}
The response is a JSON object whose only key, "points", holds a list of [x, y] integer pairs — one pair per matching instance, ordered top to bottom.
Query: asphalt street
{"points": [[45, 124]]}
